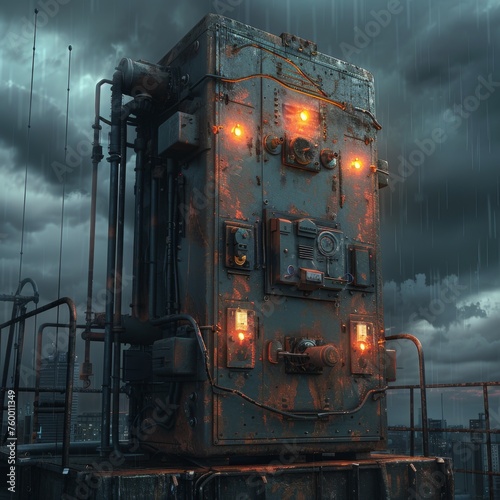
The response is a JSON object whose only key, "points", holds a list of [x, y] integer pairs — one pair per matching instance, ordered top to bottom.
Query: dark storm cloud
{"points": [[452, 39], [442, 209], [441, 302]]}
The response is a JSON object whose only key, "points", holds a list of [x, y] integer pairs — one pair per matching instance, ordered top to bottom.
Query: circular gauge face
{"points": [[303, 150], [327, 243]]}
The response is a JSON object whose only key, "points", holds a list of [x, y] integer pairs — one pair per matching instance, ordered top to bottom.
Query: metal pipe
{"points": [[139, 146], [97, 156], [114, 161], [121, 220], [152, 246], [171, 282], [119, 287], [70, 368], [423, 389], [412, 423]]}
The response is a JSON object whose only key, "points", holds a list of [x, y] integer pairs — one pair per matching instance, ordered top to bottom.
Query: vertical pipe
{"points": [[139, 146], [97, 156], [114, 161], [152, 246], [169, 271], [119, 287], [70, 369], [412, 423]]}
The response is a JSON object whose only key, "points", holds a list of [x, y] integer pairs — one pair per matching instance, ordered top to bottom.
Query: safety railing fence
{"points": [[474, 445]]}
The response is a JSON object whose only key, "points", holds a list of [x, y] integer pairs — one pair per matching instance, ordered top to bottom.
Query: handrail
{"points": [[69, 370], [423, 393]]}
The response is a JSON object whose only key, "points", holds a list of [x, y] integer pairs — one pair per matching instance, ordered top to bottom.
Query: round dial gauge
{"points": [[303, 150], [327, 243]]}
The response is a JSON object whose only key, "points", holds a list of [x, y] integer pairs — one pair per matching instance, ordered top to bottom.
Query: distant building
{"points": [[49, 415], [88, 427], [478, 438], [438, 444]]}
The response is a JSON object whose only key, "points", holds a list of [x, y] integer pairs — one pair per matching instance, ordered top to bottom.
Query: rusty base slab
{"points": [[379, 476]]}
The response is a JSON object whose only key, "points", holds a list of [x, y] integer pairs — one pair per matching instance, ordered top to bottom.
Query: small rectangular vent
{"points": [[306, 252]]}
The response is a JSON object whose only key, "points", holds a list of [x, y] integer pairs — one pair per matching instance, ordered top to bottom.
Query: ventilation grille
{"points": [[306, 252]]}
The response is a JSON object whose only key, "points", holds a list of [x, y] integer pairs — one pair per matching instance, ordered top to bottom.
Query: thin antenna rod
{"points": [[70, 48], [27, 149]]}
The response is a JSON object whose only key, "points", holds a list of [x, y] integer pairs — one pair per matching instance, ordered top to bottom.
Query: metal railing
{"points": [[480, 436]]}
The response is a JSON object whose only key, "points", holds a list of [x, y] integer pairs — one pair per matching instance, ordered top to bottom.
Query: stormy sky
{"points": [[437, 75]]}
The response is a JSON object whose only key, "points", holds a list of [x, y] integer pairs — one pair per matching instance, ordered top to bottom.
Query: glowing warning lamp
{"points": [[304, 116], [237, 130], [356, 164], [241, 336], [362, 346]]}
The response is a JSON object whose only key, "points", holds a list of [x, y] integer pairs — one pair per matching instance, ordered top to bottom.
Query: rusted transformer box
{"points": [[265, 200]]}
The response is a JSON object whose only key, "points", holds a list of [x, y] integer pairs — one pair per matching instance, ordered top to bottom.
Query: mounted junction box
{"points": [[177, 134], [307, 257]]}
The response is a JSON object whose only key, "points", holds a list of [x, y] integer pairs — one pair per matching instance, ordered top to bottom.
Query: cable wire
{"points": [[289, 61], [341, 105], [27, 150]]}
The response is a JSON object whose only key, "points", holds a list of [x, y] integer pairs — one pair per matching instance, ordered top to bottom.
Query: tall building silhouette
{"points": [[49, 428]]}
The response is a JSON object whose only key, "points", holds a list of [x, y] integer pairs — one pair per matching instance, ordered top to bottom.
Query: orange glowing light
{"points": [[304, 116], [237, 130], [356, 164], [241, 336], [362, 346]]}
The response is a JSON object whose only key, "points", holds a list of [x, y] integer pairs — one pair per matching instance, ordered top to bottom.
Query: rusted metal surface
{"points": [[271, 217], [378, 478]]}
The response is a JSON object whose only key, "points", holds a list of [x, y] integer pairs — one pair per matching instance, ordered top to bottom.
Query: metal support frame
{"points": [[69, 369], [423, 394]]}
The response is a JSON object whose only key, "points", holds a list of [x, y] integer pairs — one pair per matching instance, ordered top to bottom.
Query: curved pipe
{"points": [[97, 156], [24, 282], [423, 389]]}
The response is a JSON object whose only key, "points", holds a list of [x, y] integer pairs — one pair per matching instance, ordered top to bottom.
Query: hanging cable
{"points": [[27, 150]]}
